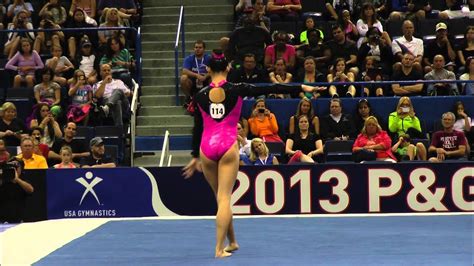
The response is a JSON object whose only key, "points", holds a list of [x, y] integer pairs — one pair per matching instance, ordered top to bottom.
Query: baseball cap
{"points": [[441, 26], [86, 42], [96, 141]]}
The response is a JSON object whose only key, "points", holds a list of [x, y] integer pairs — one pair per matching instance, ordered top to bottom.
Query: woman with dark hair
{"points": [[368, 19], [80, 20], [20, 22], [350, 29], [281, 49], [466, 49], [120, 59], [26, 61], [339, 73], [311, 74], [468, 88], [48, 91], [305, 107], [218, 108], [363, 111], [44, 119], [463, 122], [303, 145]]}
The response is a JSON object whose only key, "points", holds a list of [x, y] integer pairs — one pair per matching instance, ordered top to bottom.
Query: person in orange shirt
{"points": [[263, 123], [31, 160]]}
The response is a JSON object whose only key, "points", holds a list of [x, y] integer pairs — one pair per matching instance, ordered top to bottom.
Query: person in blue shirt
{"points": [[194, 75]]}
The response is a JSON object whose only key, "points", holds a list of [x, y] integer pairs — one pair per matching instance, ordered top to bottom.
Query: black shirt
{"points": [[249, 40], [344, 50], [239, 75], [16, 126], [331, 129], [305, 145], [77, 146], [89, 160], [12, 202]]}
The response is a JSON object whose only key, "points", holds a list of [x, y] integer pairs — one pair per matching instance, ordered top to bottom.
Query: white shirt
{"points": [[415, 46], [87, 64], [116, 84], [459, 124]]}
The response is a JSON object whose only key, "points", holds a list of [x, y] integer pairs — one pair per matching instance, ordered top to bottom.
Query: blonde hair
{"points": [[107, 12], [400, 102], [8, 105], [367, 121], [65, 148], [253, 154]]}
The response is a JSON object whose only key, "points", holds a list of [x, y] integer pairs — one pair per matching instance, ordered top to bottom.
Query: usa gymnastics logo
{"points": [[89, 186]]}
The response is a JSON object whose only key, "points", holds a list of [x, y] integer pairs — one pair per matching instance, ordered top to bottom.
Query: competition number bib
{"points": [[217, 110]]}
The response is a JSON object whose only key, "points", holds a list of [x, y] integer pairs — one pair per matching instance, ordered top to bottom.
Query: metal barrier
{"points": [[176, 51], [165, 150]]}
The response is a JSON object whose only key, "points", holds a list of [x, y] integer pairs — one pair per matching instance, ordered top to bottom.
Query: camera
{"points": [[261, 110], [8, 170]]}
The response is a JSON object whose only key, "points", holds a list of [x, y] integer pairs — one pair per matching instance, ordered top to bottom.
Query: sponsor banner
{"points": [[308, 189]]}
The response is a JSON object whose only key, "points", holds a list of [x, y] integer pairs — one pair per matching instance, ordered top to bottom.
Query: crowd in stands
{"points": [[274, 41], [81, 75]]}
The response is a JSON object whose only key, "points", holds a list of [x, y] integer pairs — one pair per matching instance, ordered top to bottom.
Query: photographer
{"points": [[20, 22], [46, 40], [378, 47], [263, 123], [13, 192]]}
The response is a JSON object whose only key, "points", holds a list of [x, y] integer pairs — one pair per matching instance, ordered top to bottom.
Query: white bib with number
{"points": [[217, 110]]}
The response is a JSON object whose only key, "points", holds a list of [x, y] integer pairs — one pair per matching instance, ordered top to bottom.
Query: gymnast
{"points": [[215, 149]]}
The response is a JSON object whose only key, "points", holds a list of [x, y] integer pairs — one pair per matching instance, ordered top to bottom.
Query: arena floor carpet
{"points": [[281, 240]]}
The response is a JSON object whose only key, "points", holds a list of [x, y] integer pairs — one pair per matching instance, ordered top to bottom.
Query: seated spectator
{"points": [[17, 6], [88, 6], [126, 7], [244, 7], [334, 8], [414, 9], [457, 9], [55, 10], [283, 10], [256, 14], [112, 19], [368, 19], [20, 22], [310, 25], [349, 28], [75, 38], [45, 41], [408, 44], [442, 45], [340, 47], [378, 48], [281, 49], [465, 49], [320, 52], [121, 60], [87, 61], [25, 62], [61, 65], [248, 72], [339, 73], [372, 73], [407, 73], [439, 73], [194, 75], [279, 75], [311, 75], [468, 88], [48, 92], [114, 95], [81, 98], [305, 107], [363, 111], [44, 119], [403, 120], [263, 123], [463, 123], [337, 125], [11, 128], [244, 143], [373, 143], [447, 144], [40, 146], [304, 146], [78, 147], [404, 150], [259, 153], [4, 154], [27, 155], [97, 157], [66, 158], [13, 196]]}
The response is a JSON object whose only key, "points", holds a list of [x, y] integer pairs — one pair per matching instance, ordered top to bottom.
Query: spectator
{"points": [[17, 6], [88, 6], [127, 7], [244, 7], [334, 8], [457, 9], [55, 10], [283, 10], [413, 10], [257, 15], [112, 19], [368, 19], [20, 22], [310, 25], [349, 28], [74, 38], [45, 41], [408, 44], [440, 46], [314, 48], [342, 48], [378, 48], [281, 49], [466, 49], [120, 59], [87, 61], [25, 62], [61, 65], [248, 72], [339, 73], [372, 73], [407, 73], [439, 73], [194, 75], [280, 75], [311, 75], [468, 88], [48, 92], [81, 93], [114, 94], [305, 107], [363, 111], [44, 119], [404, 121], [263, 123], [463, 123], [337, 125], [11, 128], [244, 143], [373, 143], [447, 144], [303, 145], [40, 146], [78, 147], [404, 150], [259, 153], [4, 154], [97, 157], [66, 158], [31, 160], [13, 196]]}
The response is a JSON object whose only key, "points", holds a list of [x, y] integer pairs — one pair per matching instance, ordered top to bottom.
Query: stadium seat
{"points": [[313, 8], [457, 26], [85, 133], [338, 150], [112, 151]]}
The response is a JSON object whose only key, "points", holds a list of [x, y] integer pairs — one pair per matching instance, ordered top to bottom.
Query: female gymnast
{"points": [[215, 145]]}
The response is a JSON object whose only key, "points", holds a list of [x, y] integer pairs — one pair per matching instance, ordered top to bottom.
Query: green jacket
{"points": [[400, 125]]}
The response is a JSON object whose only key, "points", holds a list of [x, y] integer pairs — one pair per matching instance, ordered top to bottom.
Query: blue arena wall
{"points": [[295, 189]]}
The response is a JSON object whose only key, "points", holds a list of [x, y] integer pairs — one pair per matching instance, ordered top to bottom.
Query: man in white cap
{"points": [[440, 46], [97, 158]]}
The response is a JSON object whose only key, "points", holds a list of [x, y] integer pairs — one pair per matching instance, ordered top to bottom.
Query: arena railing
{"points": [[179, 31]]}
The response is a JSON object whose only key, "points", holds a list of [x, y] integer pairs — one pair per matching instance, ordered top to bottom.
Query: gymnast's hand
{"points": [[192, 166]]}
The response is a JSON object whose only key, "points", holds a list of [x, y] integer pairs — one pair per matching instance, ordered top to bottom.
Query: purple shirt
{"points": [[20, 61]]}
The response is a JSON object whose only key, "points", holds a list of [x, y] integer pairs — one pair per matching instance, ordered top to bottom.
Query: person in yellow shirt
{"points": [[31, 160]]}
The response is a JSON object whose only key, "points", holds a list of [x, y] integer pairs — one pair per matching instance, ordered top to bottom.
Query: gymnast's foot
{"points": [[231, 247], [222, 254]]}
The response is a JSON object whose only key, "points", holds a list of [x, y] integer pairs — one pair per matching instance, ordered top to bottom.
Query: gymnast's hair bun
{"points": [[218, 61]]}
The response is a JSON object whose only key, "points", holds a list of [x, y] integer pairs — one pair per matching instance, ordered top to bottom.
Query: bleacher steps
{"points": [[164, 3], [195, 18], [188, 27], [189, 35], [169, 45], [159, 90], [158, 100], [149, 111], [166, 120], [159, 130], [180, 158]]}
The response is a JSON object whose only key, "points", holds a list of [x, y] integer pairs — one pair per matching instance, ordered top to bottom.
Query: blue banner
{"points": [[288, 189]]}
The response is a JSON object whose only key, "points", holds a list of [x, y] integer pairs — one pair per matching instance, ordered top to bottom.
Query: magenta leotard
{"points": [[215, 124]]}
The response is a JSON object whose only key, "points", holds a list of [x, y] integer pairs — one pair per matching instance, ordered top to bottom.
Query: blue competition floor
{"points": [[401, 240]]}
